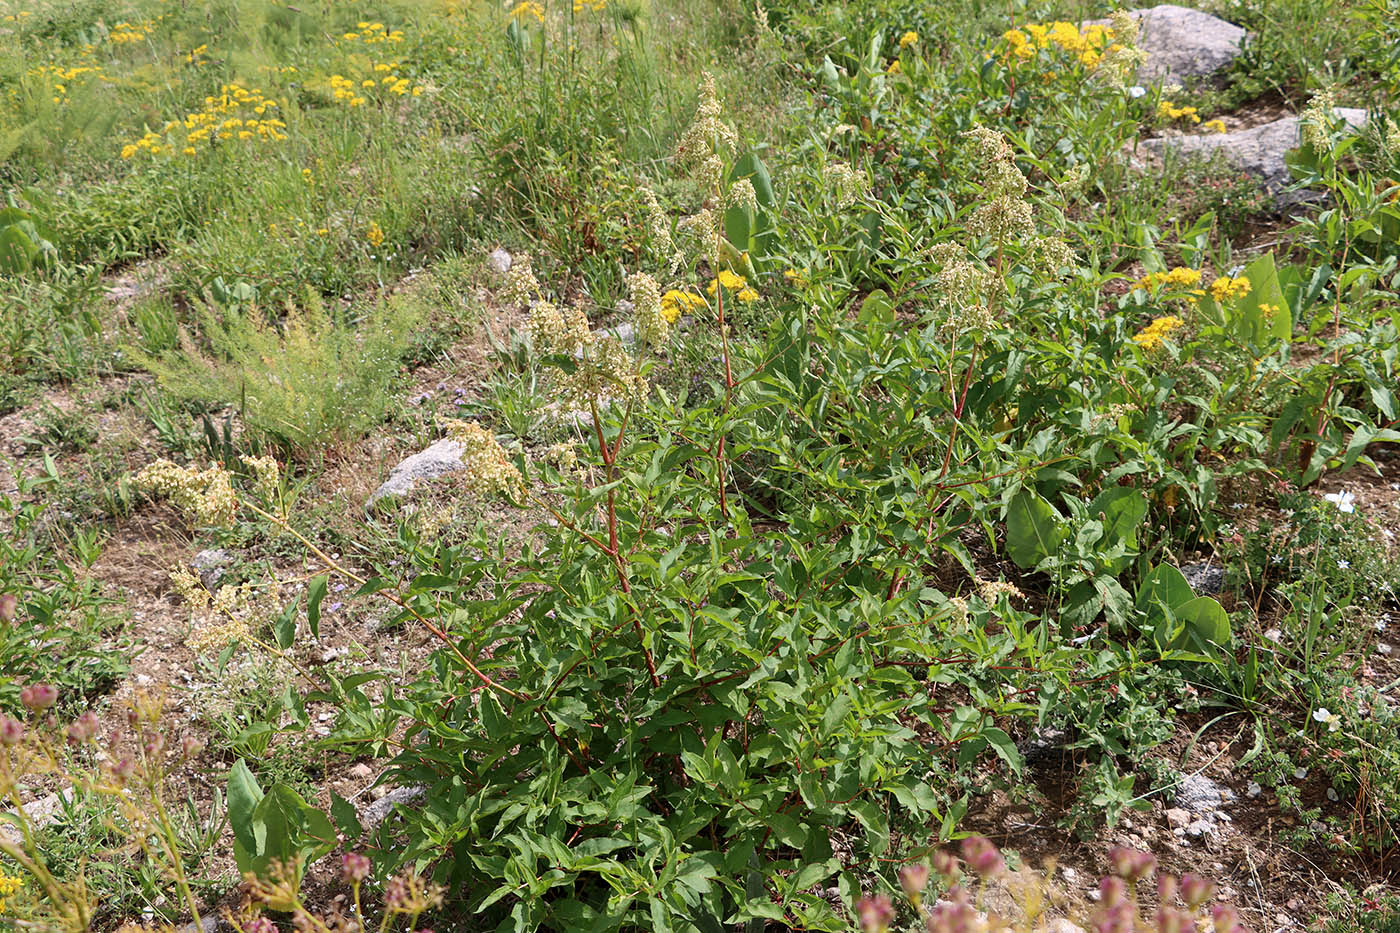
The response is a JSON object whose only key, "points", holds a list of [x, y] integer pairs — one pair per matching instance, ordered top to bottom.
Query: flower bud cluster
{"points": [[845, 183], [555, 331], [267, 476]]}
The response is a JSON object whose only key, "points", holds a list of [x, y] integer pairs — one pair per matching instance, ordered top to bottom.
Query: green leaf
{"points": [[1033, 529], [1164, 586], [315, 592], [1207, 626], [284, 628], [1005, 748], [243, 796], [347, 818]]}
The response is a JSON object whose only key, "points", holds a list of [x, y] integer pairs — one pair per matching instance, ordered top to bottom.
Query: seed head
{"points": [[83, 729], [11, 731], [982, 856], [354, 868], [875, 913]]}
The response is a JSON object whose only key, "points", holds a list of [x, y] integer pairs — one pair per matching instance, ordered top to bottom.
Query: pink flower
{"points": [[39, 697], [83, 729], [11, 731], [982, 856], [1131, 864], [354, 867], [913, 879], [1196, 890], [875, 913]]}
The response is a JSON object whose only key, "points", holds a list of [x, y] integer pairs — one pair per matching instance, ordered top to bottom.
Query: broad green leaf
{"points": [[1033, 529]]}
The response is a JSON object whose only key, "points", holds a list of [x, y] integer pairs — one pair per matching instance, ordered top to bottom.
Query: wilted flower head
{"points": [[486, 469], [9, 607], [38, 697], [982, 856], [875, 913]]}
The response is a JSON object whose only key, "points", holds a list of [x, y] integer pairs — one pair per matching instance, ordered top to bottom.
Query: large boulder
{"points": [[1183, 43], [1258, 150]]}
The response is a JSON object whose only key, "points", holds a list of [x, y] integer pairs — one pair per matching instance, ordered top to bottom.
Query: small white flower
{"points": [[1137, 91], [1343, 500], [1344, 564], [1274, 635], [1333, 721]]}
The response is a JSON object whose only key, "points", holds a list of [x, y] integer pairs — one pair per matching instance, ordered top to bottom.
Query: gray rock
{"points": [[1183, 43], [1258, 150], [500, 260], [625, 333], [443, 457], [210, 565], [1205, 578], [1254, 790], [1200, 794], [371, 816], [1177, 817], [1200, 829], [209, 923], [1059, 925]]}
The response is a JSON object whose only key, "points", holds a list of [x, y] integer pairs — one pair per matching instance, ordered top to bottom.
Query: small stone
{"points": [[500, 260], [210, 565], [143, 680], [362, 772], [1254, 790], [1199, 794], [1332, 794], [1177, 817], [1200, 829], [1059, 925]]}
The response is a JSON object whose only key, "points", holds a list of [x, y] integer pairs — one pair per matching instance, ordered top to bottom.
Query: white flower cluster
{"points": [[706, 139], [845, 182], [652, 326], [556, 331], [486, 469], [206, 494]]}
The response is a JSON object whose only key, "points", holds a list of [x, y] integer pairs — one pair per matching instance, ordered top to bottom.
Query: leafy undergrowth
{"points": [[856, 449]]}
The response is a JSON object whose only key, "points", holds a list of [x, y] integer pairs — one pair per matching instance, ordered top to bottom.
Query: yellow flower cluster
{"points": [[597, 6], [527, 8], [123, 33], [373, 34], [909, 38], [1087, 45], [197, 55], [59, 78], [385, 78], [1170, 111], [238, 113], [1215, 126], [374, 236], [1179, 277], [735, 283], [1225, 288], [675, 303], [1268, 311], [1151, 336], [206, 494], [9, 887]]}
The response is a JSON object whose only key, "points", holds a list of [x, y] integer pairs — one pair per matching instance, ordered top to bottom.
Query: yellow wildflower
{"points": [[528, 8], [909, 38], [894, 68], [1172, 112], [1215, 126], [374, 236], [1225, 288], [747, 295], [675, 303], [1151, 336], [8, 887]]}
